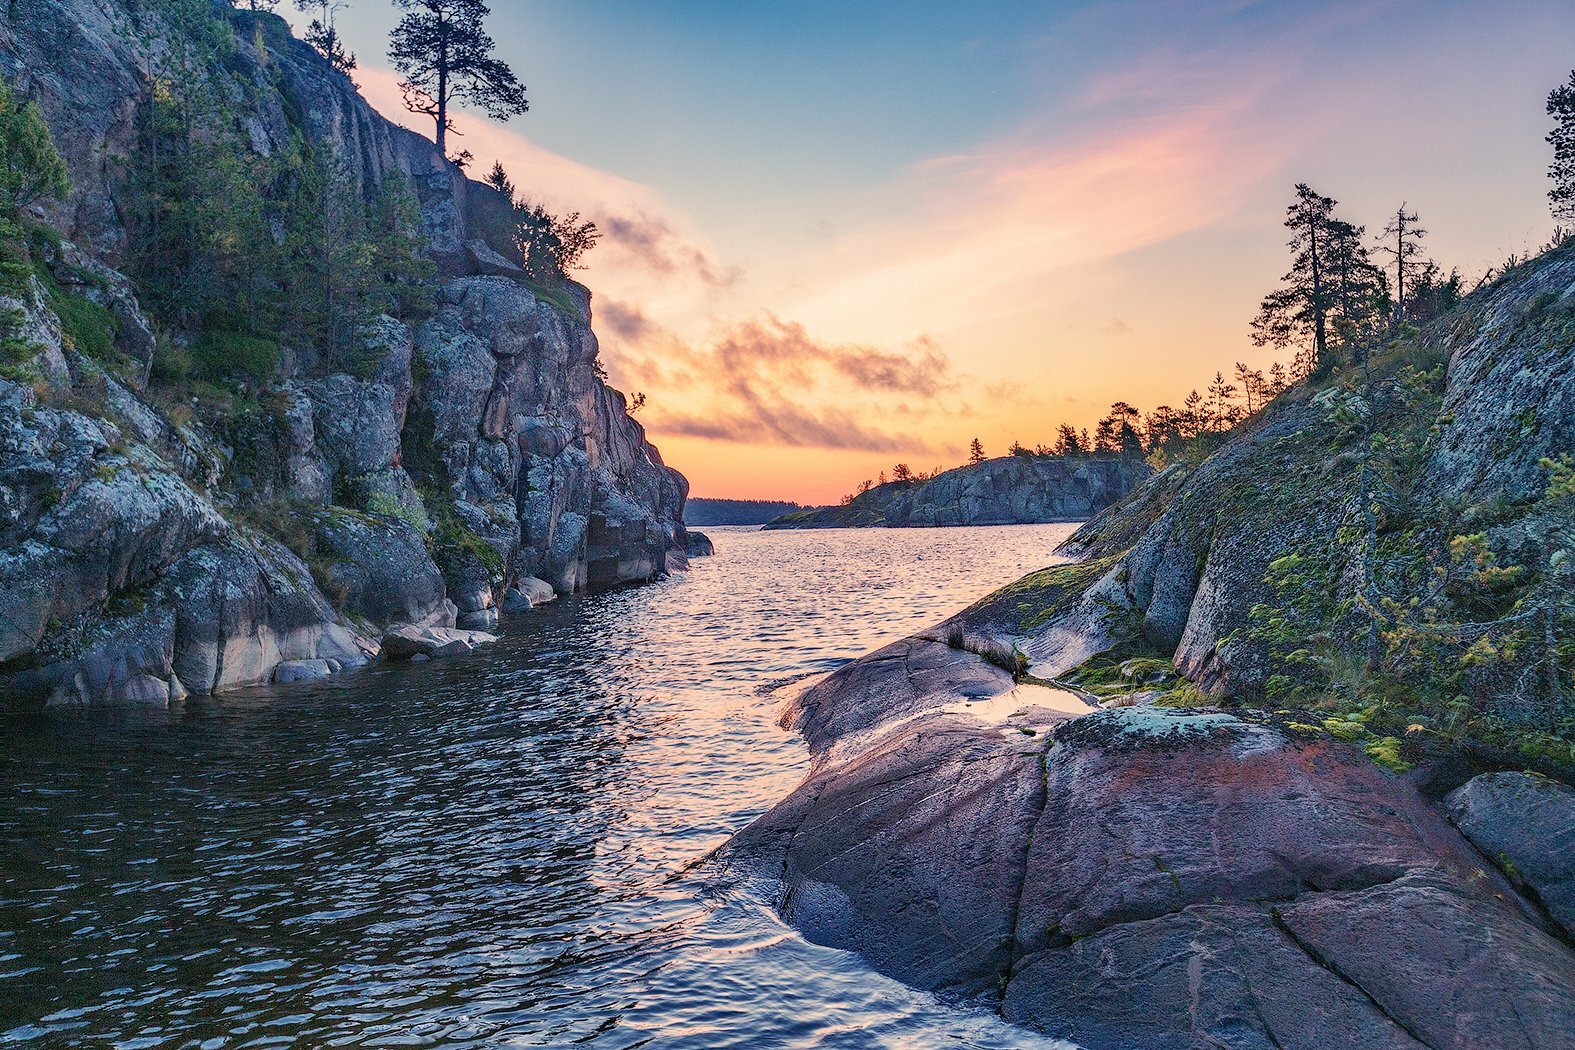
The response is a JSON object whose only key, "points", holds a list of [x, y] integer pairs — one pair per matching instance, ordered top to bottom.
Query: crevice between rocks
{"points": [[1525, 893], [1015, 948], [1329, 966]]}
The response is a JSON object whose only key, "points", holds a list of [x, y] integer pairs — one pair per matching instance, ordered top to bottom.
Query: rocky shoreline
{"points": [[444, 469], [1025, 489], [1263, 766], [1143, 876]]}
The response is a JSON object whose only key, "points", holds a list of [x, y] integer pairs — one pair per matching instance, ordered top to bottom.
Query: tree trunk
{"points": [[1320, 335]]}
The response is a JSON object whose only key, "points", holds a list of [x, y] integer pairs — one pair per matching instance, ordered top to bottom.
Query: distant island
{"points": [[1021, 489], [702, 511]]}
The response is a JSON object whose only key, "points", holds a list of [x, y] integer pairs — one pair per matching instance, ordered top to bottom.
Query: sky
{"points": [[842, 235]]}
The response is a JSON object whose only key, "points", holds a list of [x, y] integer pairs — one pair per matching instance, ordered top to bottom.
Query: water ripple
{"points": [[496, 850]]}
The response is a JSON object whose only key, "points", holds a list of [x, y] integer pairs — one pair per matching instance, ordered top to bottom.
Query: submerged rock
{"points": [[405, 642], [292, 671]]}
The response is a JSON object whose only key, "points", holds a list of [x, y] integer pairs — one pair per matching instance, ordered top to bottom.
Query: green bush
{"points": [[89, 327], [236, 354]]}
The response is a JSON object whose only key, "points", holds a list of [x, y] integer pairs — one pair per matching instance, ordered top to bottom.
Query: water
{"points": [[498, 850]]}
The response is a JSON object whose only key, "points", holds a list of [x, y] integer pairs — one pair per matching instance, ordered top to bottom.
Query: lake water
{"points": [[497, 850]]}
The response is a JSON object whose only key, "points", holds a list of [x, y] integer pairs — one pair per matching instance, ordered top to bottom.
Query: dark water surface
{"points": [[490, 851]]}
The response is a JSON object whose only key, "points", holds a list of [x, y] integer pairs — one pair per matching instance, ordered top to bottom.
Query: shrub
{"points": [[90, 327], [237, 354]]}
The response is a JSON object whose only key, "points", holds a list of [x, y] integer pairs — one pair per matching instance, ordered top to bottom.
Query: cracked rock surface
{"points": [[1144, 877]]}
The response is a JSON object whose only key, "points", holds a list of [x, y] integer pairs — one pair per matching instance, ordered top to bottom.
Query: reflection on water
{"points": [[495, 850]]}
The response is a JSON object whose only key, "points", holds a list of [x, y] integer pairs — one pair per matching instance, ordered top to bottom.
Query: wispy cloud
{"points": [[652, 243], [769, 381]]}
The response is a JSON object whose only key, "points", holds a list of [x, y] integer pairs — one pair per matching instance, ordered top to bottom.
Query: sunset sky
{"points": [[839, 235]]}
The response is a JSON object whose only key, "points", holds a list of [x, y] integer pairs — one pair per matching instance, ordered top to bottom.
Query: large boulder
{"points": [[378, 567], [407, 641]]}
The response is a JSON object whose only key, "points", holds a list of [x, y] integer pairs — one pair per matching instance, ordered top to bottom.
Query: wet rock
{"points": [[698, 545], [527, 593], [478, 620], [407, 641], [292, 671], [1526, 825], [1145, 876], [1455, 965], [1204, 976]]}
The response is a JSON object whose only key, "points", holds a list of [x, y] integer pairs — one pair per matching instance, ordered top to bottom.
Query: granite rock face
{"points": [[541, 455], [416, 477], [1011, 490], [1193, 546], [1525, 824], [1143, 876]]}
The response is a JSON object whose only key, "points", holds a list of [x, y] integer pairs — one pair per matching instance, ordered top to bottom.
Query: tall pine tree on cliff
{"points": [[445, 55], [1561, 107], [1300, 309]]}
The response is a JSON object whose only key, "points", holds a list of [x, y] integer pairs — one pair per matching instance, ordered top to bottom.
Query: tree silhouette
{"points": [[323, 34], [445, 55], [1561, 107], [499, 180], [1401, 242], [1300, 309], [975, 452]]}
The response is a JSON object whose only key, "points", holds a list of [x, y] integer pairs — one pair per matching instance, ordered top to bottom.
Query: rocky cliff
{"points": [[1011, 490], [154, 543], [1252, 772]]}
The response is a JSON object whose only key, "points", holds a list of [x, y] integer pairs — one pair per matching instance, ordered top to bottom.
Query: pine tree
{"points": [[323, 33], [445, 55], [1561, 107], [30, 168], [499, 180], [1401, 242], [1358, 285], [1300, 310], [1222, 408], [1193, 420], [1066, 442], [975, 452]]}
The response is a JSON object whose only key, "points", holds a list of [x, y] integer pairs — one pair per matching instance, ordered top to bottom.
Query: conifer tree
{"points": [[323, 33], [443, 50], [1561, 107], [30, 168], [499, 180], [1402, 243], [1300, 309], [1066, 442], [975, 452]]}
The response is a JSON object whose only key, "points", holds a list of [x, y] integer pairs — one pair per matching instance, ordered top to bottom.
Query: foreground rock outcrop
{"points": [[441, 469], [1011, 490], [1146, 877]]}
